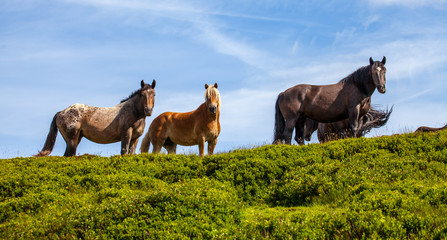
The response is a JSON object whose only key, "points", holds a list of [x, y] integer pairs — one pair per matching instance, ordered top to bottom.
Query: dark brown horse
{"points": [[349, 98], [124, 122], [202, 125], [430, 129], [339, 130]]}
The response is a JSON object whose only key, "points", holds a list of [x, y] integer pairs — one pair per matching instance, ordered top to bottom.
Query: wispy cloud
{"points": [[155, 6], [370, 20], [202, 26], [344, 35], [229, 46], [295, 47], [414, 96]]}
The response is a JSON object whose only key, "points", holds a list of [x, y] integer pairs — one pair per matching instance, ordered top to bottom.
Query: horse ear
{"points": [[384, 60], [371, 61], [142, 83], [153, 84], [215, 85], [206, 86]]}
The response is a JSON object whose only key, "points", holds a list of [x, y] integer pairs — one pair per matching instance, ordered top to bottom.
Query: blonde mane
{"points": [[211, 92]]}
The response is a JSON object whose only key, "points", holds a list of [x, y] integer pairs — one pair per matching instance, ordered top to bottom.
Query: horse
{"points": [[349, 98], [124, 122], [202, 125], [430, 129], [340, 130]]}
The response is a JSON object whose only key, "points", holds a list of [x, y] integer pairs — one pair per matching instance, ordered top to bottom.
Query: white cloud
{"points": [[370, 20], [202, 26], [344, 35], [229, 46], [294, 48], [408, 59], [248, 114]]}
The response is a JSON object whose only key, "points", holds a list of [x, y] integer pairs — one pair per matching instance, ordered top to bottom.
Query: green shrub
{"points": [[381, 188]]}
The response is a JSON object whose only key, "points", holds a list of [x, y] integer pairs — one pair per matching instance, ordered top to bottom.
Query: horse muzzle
{"points": [[381, 89], [213, 109], [148, 111]]}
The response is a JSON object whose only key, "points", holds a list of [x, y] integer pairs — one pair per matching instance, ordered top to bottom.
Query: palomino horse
{"points": [[349, 98], [124, 122], [187, 129], [430, 129], [340, 130]]}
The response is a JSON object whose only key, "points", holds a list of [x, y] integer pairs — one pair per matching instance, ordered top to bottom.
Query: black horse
{"points": [[349, 98], [374, 118], [430, 129]]}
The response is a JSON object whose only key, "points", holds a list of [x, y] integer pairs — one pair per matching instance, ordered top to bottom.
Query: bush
{"points": [[385, 187]]}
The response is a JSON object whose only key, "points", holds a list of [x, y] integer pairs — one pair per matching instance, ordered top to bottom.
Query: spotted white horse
{"points": [[124, 122]]}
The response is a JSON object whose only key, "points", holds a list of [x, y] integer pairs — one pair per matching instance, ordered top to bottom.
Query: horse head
{"points": [[378, 71], [147, 96], [212, 98]]}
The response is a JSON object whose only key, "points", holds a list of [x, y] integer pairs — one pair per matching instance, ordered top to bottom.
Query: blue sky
{"points": [[56, 53]]}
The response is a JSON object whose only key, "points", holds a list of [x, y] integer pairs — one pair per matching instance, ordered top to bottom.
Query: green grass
{"points": [[386, 187]]}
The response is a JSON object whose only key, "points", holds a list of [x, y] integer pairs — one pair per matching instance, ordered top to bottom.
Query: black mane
{"points": [[357, 77], [146, 86]]}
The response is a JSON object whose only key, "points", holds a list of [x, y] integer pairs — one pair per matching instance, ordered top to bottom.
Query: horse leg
{"points": [[354, 120], [310, 126], [288, 130], [299, 131], [72, 137], [126, 137], [157, 142], [72, 144], [133, 146], [211, 146], [170, 147], [202, 147], [156, 148], [70, 150]]}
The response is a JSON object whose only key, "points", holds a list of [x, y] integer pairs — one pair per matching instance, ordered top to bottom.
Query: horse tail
{"points": [[375, 119], [280, 124], [51, 139], [145, 144]]}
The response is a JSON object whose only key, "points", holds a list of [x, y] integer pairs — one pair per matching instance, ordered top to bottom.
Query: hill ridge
{"points": [[384, 187]]}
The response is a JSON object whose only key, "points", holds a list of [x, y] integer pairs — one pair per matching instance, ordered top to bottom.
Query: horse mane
{"points": [[358, 76], [212, 91], [133, 94], [375, 118]]}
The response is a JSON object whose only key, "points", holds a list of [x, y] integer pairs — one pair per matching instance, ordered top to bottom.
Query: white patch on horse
{"points": [[72, 116]]}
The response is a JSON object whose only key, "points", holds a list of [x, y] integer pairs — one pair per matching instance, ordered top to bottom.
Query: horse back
{"points": [[318, 102], [72, 116]]}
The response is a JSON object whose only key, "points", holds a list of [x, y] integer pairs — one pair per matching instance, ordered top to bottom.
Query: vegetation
{"points": [[386, 187]]}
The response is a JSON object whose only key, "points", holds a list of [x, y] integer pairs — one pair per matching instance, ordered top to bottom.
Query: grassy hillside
{"points": [[386, 187]]}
